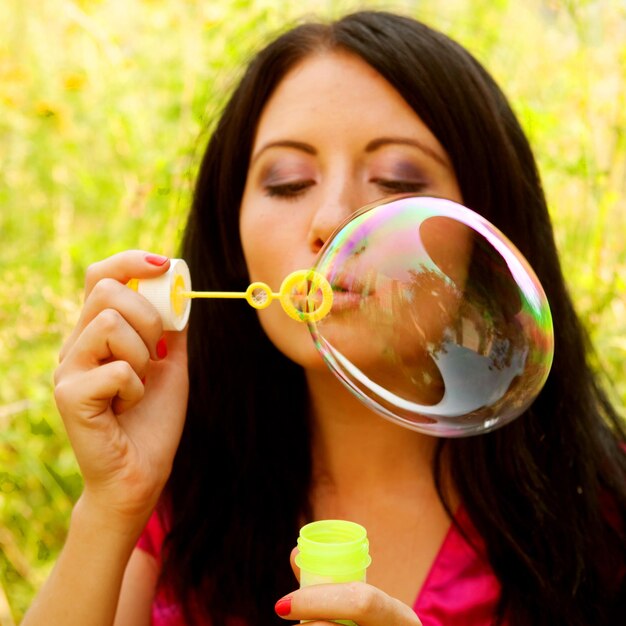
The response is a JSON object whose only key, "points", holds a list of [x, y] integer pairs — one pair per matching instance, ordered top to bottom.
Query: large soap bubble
{"points": [[438, 322]]}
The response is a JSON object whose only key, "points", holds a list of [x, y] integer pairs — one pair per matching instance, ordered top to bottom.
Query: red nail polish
{"points": [[156, 259], [161, 348], [283, 607]]}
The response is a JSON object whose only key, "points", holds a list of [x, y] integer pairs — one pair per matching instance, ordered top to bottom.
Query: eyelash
{"points": [[400, 186], [288, 191], [291, 191]]}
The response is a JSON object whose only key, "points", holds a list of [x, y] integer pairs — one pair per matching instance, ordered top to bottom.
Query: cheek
{"points": [[450, 188], [252, 226], [265, 242], [256, 248], [268, 260], [291, 338]]}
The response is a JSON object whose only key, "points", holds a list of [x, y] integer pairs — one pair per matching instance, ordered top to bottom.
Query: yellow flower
{"points": [[74, 81], [45, 109]]}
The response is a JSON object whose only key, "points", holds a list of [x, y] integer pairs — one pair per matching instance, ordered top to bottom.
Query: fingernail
{"points": [[156, 259], [161, 348], [283, 607]]}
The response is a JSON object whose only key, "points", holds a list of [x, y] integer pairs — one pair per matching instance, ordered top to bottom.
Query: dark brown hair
{"points": [[534, 489]]}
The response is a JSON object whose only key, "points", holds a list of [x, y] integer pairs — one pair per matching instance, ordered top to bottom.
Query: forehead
{"points": [[339, 91]]}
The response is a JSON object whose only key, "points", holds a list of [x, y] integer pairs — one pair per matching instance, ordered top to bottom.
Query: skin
{"points": [[333, 137], [327, 144], [124, 435]]}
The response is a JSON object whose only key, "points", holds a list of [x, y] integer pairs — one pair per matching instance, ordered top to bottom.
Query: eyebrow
{"points": [[284, 143], [375, 144], [371, 146]]}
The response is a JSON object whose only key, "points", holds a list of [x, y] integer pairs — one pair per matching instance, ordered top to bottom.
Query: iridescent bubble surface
{"points": [[438, 322]]}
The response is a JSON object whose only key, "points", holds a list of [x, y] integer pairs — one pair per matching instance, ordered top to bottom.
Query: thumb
{"points": [[177, 345], [171, 369], [167, 385]]}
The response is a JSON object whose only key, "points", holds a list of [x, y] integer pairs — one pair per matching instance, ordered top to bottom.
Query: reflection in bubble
{"points": [[438, 322]]}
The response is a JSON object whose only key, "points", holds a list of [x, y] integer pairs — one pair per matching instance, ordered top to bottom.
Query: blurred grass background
{"points": [[105, 106]]}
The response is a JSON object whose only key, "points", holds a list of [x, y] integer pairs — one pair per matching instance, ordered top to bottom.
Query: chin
{"points": [[293, 339]]}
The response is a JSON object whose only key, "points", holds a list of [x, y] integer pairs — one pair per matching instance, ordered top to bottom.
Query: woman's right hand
{"points": [[121, 387]]}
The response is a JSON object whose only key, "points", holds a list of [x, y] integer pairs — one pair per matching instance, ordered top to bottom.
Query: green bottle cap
{"points": [[336, 550]]}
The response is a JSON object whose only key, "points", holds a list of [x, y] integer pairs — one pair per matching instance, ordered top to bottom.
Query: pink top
{"points": [[460, 589]]}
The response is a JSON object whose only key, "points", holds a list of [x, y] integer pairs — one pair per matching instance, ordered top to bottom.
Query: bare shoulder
{"points": [[138, 587]]}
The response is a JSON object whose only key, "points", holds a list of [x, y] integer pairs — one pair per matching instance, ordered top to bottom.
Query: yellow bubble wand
{"points": [[171, 294]]}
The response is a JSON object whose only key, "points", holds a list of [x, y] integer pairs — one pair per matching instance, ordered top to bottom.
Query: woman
{"points": [[524, 525]]}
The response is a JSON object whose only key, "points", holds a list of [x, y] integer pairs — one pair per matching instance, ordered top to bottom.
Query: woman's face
{"points": [[333, 137]]}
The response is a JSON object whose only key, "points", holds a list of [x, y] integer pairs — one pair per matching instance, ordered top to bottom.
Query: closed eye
{"points": [[399, 186], [288, 190]]}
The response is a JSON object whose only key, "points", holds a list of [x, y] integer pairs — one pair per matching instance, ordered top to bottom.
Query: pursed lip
{"points": [[349, 293], [346, 300]]}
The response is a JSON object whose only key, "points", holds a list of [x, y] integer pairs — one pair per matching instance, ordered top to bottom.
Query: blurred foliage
{"points": [[105, 106]]}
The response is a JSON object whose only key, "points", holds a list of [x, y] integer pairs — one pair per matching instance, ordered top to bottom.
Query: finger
{"points": [[124, 266], [121, 268], [134, 308], [108, 337], [176, 345], [172, 364], [167, 389], [128, 394], [89, 395], [362, 603]]}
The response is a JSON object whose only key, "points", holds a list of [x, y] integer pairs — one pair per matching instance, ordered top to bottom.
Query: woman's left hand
{"points": [[359, 602]]}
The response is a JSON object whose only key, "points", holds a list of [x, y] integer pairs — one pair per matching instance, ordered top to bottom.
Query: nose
{"points": [[335, 207]]}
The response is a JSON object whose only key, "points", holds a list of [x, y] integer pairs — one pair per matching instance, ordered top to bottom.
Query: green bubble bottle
{"points": [[333, 551]]}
